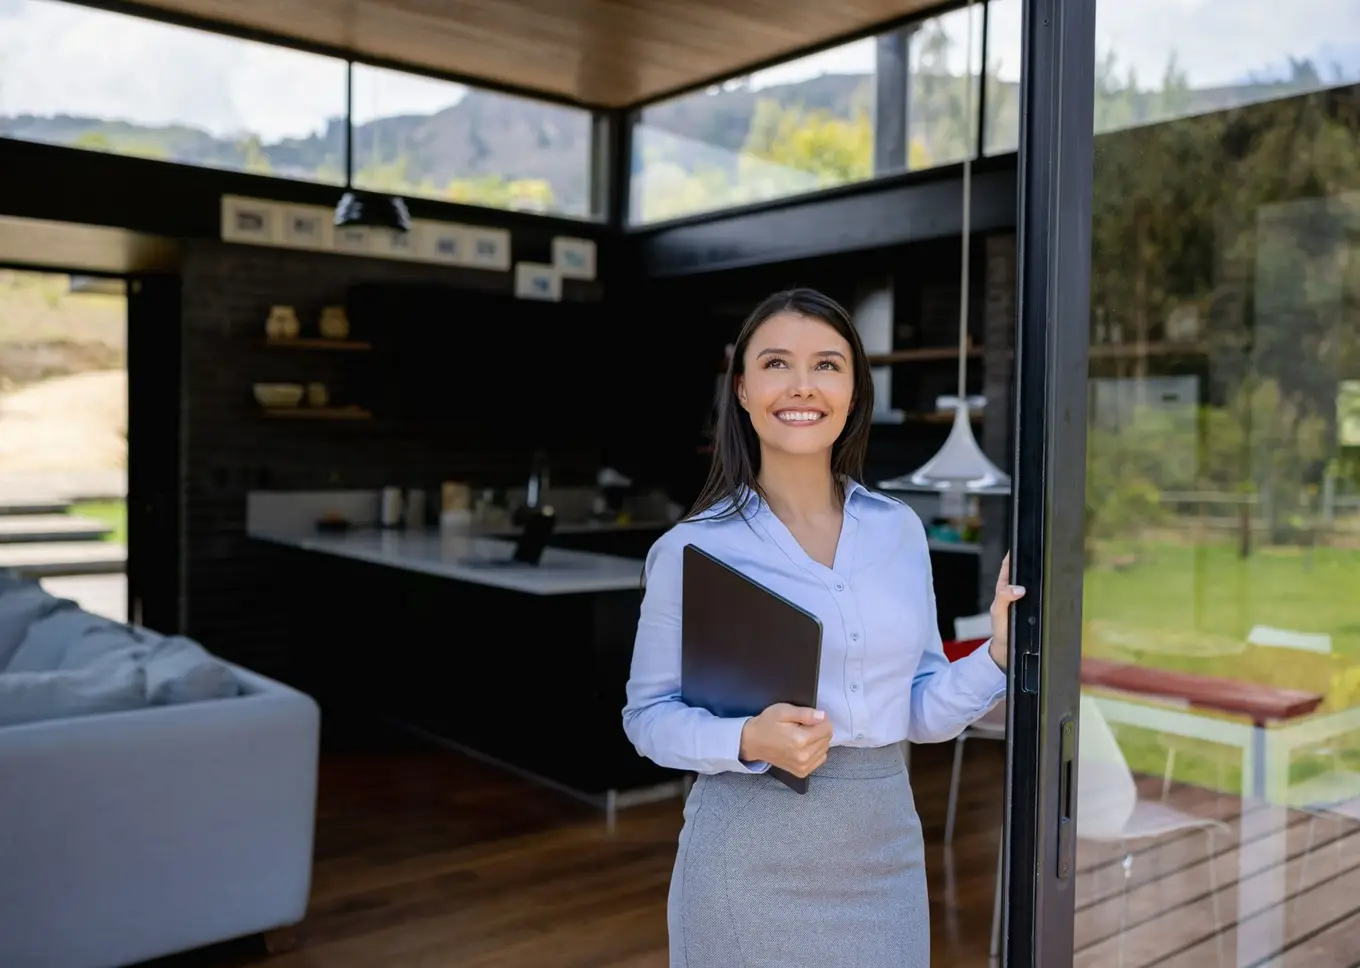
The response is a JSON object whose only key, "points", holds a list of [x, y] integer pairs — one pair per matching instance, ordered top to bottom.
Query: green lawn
{"points": [[112, 513], [1190, 607]]}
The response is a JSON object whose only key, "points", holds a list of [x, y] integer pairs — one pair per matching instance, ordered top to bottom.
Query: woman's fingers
{"points": [[1006, 593]]}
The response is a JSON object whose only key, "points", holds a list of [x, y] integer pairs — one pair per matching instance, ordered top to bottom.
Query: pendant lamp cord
{"points": [[349, 124], [967, 212]]}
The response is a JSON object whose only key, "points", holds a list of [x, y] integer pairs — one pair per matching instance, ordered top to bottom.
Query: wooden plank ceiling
{"points": [[606, 53]]}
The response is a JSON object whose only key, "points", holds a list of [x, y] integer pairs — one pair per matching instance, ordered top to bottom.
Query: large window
{"points": [[85, 78], [813, 123], [795, 128], [421, 136]]}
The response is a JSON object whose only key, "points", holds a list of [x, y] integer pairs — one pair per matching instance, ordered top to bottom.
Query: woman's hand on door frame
{"points": [[1006, 596]]}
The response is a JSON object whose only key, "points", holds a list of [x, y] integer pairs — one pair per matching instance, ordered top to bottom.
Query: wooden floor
{"points": [[427, 859]]}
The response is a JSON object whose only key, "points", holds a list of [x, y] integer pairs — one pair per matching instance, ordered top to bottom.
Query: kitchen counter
{"points": [[577, 527], [467, 558]]}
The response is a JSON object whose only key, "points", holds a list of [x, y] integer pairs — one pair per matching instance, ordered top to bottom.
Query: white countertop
{"points": [[579, 527], [470, 559]]}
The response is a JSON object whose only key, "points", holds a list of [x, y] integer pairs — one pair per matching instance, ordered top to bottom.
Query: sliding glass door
{"points": [[1199, 591]]}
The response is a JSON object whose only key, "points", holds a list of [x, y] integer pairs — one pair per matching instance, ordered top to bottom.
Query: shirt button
{"points": [[840, 587], [854, 636], [854, 687], [859, 736]]}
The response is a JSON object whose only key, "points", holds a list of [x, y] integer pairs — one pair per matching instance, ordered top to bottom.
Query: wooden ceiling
{"points": [[606, 53]]}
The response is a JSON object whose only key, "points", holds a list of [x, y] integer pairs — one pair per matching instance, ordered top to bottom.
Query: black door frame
{"points": [[1048, 500], [155, 553]]}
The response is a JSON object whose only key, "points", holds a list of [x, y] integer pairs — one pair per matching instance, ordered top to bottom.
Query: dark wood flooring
{"points": [[429, 859]]}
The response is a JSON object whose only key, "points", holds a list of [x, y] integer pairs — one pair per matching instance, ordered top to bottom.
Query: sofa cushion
{"points": [[22, 603], [106, 637], [67, 638], [180, 670], [111, 684]]}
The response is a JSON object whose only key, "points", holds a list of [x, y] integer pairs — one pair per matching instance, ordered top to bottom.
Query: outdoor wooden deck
{"points": [[428, 859], [1169, 914]]}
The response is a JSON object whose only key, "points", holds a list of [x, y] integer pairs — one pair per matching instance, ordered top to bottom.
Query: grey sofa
{"points": [[153, 798]]}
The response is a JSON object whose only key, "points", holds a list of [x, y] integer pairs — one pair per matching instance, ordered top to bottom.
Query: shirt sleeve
{"points": [[947, 697], [657, 722]]}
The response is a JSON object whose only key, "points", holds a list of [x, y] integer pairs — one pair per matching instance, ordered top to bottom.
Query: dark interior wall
{"points": [[686, 322], [459, 381]]}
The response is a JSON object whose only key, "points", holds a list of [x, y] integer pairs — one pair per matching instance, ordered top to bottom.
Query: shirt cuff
{"points": [[980, 677], [731, 746]]}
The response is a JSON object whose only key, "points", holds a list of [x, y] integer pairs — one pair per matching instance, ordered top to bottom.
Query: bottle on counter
{"points": [[415, 508], [389, 514]]}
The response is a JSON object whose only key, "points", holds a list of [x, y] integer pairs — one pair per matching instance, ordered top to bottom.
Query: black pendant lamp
{"points": [[365, 209], [373, 211]]}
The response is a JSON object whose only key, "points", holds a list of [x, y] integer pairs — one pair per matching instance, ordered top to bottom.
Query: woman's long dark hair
{"points": [[736, 447]]}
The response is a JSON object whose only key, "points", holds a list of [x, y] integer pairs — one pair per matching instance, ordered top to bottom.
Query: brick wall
{"points": [[234, 601]]}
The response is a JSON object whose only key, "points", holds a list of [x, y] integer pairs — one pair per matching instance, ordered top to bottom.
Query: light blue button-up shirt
{"points": [[884, 675]]}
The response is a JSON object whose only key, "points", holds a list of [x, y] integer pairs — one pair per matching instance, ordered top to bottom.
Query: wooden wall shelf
{"points": [[319, 343], [318, 413]]}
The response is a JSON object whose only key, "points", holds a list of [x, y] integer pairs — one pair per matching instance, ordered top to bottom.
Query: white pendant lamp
{"points": [[960, 465]]}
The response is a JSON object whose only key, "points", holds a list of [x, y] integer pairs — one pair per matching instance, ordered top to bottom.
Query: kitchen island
{"points": [[477, 560], [520, 664]]}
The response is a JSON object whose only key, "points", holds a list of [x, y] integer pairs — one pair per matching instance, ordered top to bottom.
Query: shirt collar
{"points": [[854, 489], [748, 501]]}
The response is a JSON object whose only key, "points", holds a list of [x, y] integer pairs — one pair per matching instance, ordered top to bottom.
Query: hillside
{"points": [[48, 331]]}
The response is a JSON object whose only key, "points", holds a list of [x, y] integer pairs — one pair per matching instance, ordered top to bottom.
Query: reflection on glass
{"points": [[84, 78], [941, 108], [420, 136], [1221, 654]]}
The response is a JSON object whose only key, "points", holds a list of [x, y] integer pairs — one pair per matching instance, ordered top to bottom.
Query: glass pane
{"points": [[84, 78], [943, 92], [1001, 107], [794, 128], [420, 136], [1219, 793]]}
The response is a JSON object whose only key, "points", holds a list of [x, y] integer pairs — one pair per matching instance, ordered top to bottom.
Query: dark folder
{"points": [[743, 647]]}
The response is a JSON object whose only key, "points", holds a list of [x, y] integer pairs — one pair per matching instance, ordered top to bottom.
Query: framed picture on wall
{"points": [[249, 220], [306, 227], [354, 239], [442, 242], [394, 245], [488, 248], [574, 258], [536, 280]]}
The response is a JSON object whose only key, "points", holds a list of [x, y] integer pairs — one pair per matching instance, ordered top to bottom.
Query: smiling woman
{"points": [[834, 877]]}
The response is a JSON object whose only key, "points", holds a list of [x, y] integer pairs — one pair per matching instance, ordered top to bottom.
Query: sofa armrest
{"points": [[138, 833]]}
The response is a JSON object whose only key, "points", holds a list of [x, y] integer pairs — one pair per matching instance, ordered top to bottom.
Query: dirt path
{"points": [[68, 423]]}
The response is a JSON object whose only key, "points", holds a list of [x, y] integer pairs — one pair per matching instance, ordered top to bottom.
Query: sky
{"points": [[58, 58]]}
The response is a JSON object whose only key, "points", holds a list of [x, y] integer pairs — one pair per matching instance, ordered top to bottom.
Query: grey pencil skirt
{"points": [[835, 878]]}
